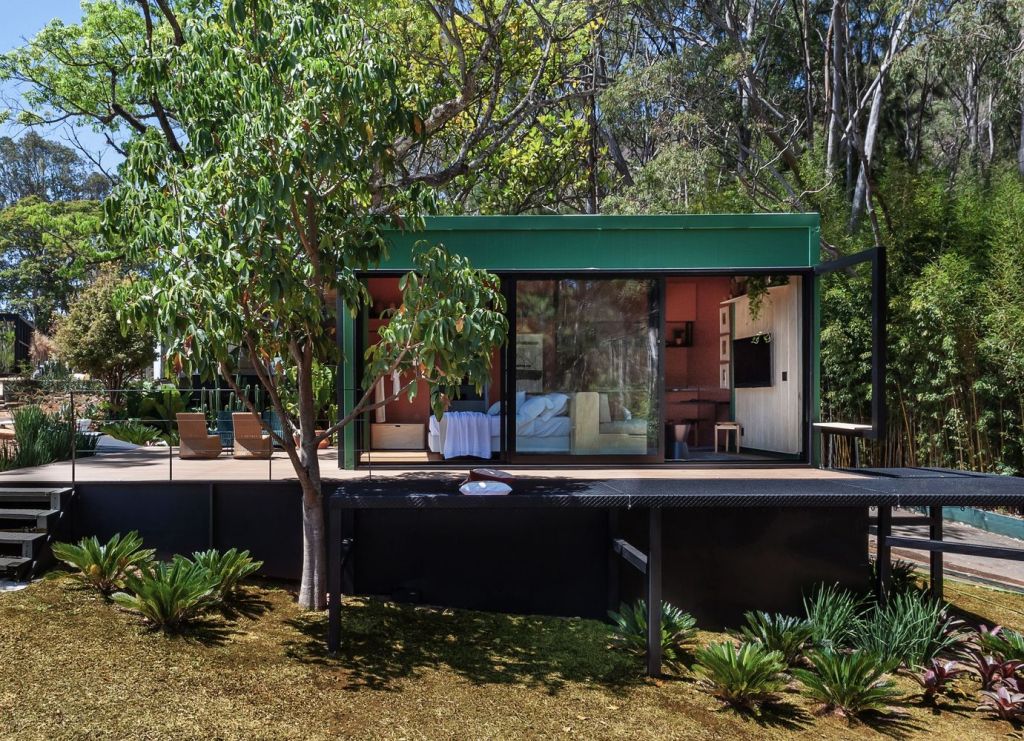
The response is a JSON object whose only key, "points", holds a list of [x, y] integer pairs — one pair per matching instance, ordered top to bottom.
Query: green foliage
{"points": [[90, 338], [7, 339], [132, 431], [42, 438], [105, 566], [227, 569], [902, 576], [169, 596], [835, 616], [910, 629], [678, 630], [789, 636], [1002, 642], [745, 677], [851, 684]]}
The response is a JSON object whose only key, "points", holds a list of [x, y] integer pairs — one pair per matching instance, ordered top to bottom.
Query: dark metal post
{"points": [[74, 436], [855, 451], [613, 559], [883, 562], [935, 575], [333, 577], [654, 593]]}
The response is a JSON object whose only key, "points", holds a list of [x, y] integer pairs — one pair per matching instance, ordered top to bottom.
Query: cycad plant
{"points": [[105, 566], [228, 569], [170, 595], [835, 616], [678, 630], [789, 636], [1002, 642], [746, 677], [850, 684]]}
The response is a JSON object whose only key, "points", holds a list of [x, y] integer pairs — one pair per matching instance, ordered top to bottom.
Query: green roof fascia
{"points": [[657, 242]]}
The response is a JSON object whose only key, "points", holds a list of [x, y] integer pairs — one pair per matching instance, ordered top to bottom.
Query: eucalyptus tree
{"points": [[270, 145]]}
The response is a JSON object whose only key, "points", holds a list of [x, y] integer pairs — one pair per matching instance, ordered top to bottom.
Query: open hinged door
{"points": [[879, 306]]}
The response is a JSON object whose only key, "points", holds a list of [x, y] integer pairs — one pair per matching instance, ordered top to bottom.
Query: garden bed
{"points": [[73, 665]]}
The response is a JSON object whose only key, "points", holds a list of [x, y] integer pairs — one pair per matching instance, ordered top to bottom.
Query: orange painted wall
{"points": [[386, 294]]}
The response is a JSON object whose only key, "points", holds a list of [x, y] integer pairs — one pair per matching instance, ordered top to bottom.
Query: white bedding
{"points": [[535, 434]]}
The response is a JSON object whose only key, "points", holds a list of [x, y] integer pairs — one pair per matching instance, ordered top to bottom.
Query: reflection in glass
{"points": [[586, 366]]}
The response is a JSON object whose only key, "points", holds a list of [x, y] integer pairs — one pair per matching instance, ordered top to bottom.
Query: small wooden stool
{"points": [[728, 427]]}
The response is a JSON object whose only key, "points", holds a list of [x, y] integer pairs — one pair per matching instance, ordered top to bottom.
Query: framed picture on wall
{"points": [[724, 320], [723, 348], [723, 376]]}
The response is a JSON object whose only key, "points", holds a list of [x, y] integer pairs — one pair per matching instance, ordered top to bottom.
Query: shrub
{"points": [[132, 431], [43, 438], [105, 566], [227, 569], [902, 576], [170, 595], [835, 616], [911, 629], [678, 630], [787, 635], [1002, 642], [990, 670], [745, 677], [935, 678], [850, 684], [1006, 703]]}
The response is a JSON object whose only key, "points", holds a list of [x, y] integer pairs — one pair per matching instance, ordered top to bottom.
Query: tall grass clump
{"points": [[835, 616], [911, 629], [790, 636]]}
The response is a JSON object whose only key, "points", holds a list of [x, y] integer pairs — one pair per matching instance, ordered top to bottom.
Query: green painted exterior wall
{"points": [[673, 242], [717, 242]]}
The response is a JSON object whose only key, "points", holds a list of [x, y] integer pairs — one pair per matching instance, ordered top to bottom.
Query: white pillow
{"points": [[556, 405], [532, 408], [495, 409]]}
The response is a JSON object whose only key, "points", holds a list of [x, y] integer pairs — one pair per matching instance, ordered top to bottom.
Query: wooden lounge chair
{"points": [[195, 439], [250, 439]]}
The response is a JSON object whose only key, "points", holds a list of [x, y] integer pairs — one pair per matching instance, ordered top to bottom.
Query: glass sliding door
{"points": [[587, 367]]}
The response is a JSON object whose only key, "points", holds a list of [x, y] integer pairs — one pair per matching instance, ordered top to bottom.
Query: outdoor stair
{"points": [[30, 520]]}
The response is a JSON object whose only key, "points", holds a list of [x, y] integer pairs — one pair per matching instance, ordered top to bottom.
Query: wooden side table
{"points": [[728, 427]]}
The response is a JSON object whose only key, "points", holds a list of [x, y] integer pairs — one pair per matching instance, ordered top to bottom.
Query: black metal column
{"points": [[883, 559], [613, 560], [935, 575], [334, 579], [654, 593]]}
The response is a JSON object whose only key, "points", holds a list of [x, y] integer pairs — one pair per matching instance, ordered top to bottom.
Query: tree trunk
{"points": [[837, 33], [1020, 146], [313, 589]]}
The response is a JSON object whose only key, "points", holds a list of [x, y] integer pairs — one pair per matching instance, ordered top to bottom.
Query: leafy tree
{"points": [[34, 166], [46, 252], [90, 337]]}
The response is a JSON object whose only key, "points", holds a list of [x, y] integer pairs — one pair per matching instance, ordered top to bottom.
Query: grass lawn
{"points": [[74, 666]]}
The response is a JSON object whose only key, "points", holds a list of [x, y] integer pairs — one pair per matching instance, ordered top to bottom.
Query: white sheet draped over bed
{"points": [[468, 433]]}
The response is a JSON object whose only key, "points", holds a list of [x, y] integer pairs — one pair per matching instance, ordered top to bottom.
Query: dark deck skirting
{"points": [[871, 487]]}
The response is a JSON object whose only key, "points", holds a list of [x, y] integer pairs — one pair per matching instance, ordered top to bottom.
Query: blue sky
{"points": [[22, 19]]}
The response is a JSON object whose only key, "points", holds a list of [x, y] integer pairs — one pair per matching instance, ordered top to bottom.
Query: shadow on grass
{"points": [[246, 603], [383, 642], [779, 714]]}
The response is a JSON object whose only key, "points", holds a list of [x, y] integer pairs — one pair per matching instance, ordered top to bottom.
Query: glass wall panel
{"points": [[587, 366]]}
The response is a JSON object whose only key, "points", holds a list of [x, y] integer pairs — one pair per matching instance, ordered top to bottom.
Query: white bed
{"points": [[543, 425]]}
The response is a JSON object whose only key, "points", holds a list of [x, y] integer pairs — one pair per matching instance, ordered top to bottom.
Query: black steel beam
{"points": [[846, 261], [967, 549], [632, 555], [613, 560]]}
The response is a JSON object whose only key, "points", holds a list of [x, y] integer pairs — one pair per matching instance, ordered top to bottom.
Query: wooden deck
{"points": [[154, 464]]}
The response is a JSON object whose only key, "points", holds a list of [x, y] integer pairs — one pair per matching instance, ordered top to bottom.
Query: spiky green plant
{"points": [[131, 431], [105, 565], [228, 569], [902, 576], [170, 595], [835, 616], [910, 629], [678, 630], [790, 636], [1002, 642], [746, 677], [849, 684]]}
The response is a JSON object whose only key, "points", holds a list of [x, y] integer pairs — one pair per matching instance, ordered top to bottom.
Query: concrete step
{"points": [[43, 518], [22, 544], [15, 568]]}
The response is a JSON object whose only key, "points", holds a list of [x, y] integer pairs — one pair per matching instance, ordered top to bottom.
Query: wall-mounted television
{"points": [[751, 362]]}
